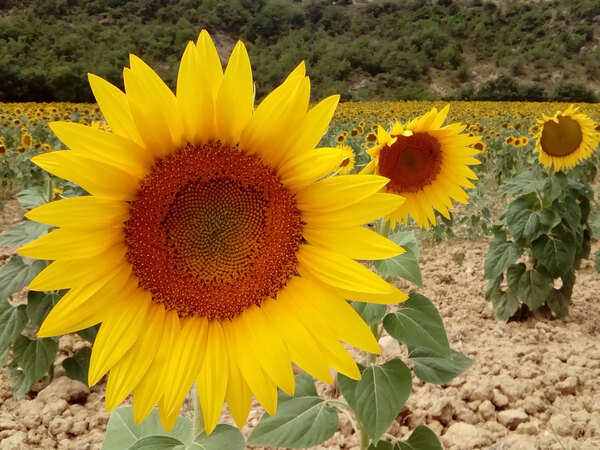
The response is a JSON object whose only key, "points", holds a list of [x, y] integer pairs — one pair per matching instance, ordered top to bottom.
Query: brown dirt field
{"points": [[534, 385]]}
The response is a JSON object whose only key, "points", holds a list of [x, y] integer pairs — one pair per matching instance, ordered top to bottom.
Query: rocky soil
{"points": [[534, 385]]}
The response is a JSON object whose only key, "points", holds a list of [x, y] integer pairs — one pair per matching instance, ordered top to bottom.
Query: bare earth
{"points": [[534, 385]]}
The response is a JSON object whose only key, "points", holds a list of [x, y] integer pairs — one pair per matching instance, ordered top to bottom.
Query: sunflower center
{"points": [[562, 138], [411, 163], [213, 232]]}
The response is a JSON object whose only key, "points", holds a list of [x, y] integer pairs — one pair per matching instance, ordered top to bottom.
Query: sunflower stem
{"points": [[49, 190], [198, 423]]}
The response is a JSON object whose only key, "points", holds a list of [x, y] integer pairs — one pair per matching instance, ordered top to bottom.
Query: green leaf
{"points": [[524, 183], [555, 185], [31, 197], [569, 210], [529, 225], [23, 233], [554, 254], [500, 255], [597, 261], [405, 265], [18, 273], [514, 274], [535, 287], [492, 290], [559, 301], [39, 305], [505, 305], [371, 313], [12, 321], [418, 322], [89, 334], [35, 356], [77, 366], [432, 368], [20, 384], [305, 387], [378, 396], [299, 422], [122, 432], [222, 437], [423, 438], [158, 443], [382, 445]]}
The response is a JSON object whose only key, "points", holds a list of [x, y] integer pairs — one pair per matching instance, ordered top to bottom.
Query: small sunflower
{"points": [[565, 139], [349, 160], [427, 164], [213, 248]]}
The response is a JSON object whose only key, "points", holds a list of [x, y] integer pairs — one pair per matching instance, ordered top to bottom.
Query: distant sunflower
{"points": [[565, 139], [349, 160], [427, 164], [214, 248]]}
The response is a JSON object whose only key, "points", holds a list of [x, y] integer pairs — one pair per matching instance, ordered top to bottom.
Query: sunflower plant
{"points": [[545, 231], [202, 242]]}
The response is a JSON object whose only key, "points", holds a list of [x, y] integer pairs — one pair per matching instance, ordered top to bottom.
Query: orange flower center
{"points": [[562, 138], [411, 163], [213, 232]]}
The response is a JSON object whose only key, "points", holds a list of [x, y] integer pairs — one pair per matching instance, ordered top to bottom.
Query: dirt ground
{"points": [[534, 385]]}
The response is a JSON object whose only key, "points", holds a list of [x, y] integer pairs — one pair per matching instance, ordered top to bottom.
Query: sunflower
{"points": [[565, 139], [349, 160], [427, 163], [213, 248]]}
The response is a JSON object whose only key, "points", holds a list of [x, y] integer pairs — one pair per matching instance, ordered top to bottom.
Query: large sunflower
{"points": [[565, 139], [427, 164], [213, 246]]}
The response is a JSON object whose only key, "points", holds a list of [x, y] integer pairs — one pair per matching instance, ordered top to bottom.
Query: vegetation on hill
{"points": [[369, 49]]}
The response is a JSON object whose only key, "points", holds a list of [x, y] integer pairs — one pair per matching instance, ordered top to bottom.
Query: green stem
{"points": [[49, 190], [376, 330], [198, 418], [364, 438]]}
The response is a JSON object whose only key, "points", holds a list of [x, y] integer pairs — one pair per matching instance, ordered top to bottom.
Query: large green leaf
{"points": [[524, 183], [555, 185], [31, 197], [569, 210], [530, 224], [23, 233], [501, 254], [554, 254], [405, 265], [18, 273], [514, 274], [535, 286], [559, 301], [39, 305], [505, 305], [370, 312], [12, 321], [418, 322], [89, 334], [35, 356], [77, 366], [432, 368], [20, 384], [305, 387], [378, 396], [299, 422], [122, 432], [222, 437], [423, 438], [158, 443]]}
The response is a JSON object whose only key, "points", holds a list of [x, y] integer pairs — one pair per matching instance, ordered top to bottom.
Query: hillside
{"points": [[414, 49]]}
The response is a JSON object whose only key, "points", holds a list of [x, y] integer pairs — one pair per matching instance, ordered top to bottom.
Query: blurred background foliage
{"points": [[363, 49]]}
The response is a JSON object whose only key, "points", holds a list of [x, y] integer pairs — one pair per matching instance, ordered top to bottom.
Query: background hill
{"points": [[378, 49]]}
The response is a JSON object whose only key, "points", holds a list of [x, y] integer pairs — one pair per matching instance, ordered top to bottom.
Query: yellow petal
{"points": [[208, 58], [115, 108], [233, 108], [383, 137], [103, 146], [309, 166], [96, 177], [335, 193], [81, 211], [361, 212], [70, 242], [355, 243], [340, 271], [68, 273], [85, 306], [118, 333], [303, 348], [185, 363], [130, 369], [212, 379], [150, 389], [238, 395]]}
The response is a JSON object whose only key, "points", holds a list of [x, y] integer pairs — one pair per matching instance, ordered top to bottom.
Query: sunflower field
{"points": [[200, 241]]}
